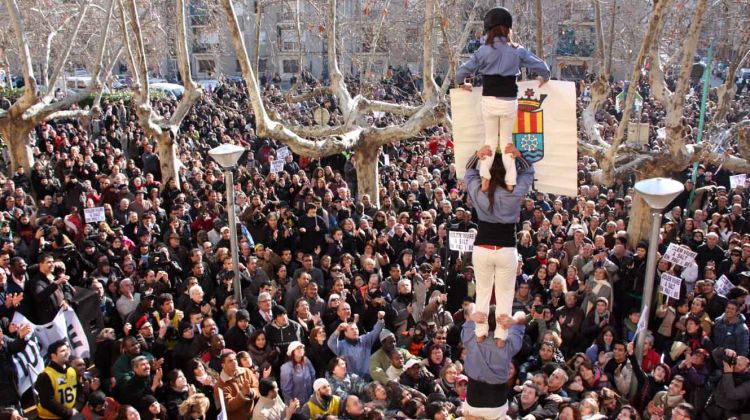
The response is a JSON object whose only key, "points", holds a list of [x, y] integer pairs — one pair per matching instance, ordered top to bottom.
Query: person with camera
{"points": [[49, 290], [731, 394]]}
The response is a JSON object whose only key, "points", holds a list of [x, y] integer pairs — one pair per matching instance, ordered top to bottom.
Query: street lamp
{"points": [[227, 156], [658, 193]]}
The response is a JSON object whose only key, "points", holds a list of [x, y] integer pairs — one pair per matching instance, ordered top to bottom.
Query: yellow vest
{"points": [[174, 323], [63, 388], [316, 410]]}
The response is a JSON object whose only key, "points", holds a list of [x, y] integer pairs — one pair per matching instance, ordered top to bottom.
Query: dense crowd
{"points": [[350, 310]]}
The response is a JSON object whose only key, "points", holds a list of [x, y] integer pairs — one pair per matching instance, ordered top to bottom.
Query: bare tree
{"points": [[34, 107], [163, 129], [354, 134], [619, 159]]}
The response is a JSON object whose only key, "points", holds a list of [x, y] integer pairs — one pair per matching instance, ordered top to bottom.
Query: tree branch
{"points": [[376, 39], [453, 52], [66, 53], [428, 81], [338, 85], [727, 89], [192, 92], [29, 94], [367, 105], [429, 115], [675, 135], [608, 161]]}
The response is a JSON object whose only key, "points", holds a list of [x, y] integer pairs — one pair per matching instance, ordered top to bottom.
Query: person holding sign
{"points": [[499, 61], [495, 257]]}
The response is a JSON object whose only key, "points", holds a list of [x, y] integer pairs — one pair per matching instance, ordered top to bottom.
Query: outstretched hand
{"points": [[511, 149]]}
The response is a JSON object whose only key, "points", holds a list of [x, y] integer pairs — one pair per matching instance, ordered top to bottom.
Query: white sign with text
{"points": [[94, 214], [461, 241], [679, 255], [670, 286]]}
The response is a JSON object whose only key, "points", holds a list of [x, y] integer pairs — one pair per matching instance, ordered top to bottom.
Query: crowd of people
{"points": [[349, 310]]}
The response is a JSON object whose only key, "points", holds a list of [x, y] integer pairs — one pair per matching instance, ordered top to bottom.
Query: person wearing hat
{"points": [[499, 62], [282, 331], [238, 337], [380, 361], [297, 374], [322, 402]]}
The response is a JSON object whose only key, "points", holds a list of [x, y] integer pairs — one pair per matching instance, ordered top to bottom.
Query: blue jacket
{"points": [[502, 60], [507, 206], [733, 336], [357, 356], [486, 362], [297, 383]]}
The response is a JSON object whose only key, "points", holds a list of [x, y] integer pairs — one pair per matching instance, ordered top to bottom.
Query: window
{"points": [[288, 40], [262, 65], [206, 66], [291, 66]]}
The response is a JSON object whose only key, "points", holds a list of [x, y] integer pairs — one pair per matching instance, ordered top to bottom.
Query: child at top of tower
{"points": [[499, 61]]}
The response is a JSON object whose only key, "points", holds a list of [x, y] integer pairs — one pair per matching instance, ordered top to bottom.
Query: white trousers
{"points": [[499, 116], [495, 268], [486, 413]]}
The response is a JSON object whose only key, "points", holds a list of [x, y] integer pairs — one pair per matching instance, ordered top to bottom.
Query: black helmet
{"points": [[497, 16]]}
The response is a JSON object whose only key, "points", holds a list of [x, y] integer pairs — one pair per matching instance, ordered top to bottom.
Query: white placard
{"points": [[378, 114], [553, 132], [638, 133], [661, 133], [282, 153], [386, 160], [277, 166], [737, 180], [94, 214], [461, 241], [679, 255], [723, 285], [670, 286]]}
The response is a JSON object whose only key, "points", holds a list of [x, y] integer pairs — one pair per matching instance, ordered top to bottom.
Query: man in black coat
{"points": [[48, 290], [237, 338], [11, 397]]}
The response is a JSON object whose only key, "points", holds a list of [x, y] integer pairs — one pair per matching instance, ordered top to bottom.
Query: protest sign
{"points": [[282, 153], [386, 160], [277, 166], [737, 180], [94, 214], [461, 241], [678, 255], [723, 285], [670, 286], [642, 321]]}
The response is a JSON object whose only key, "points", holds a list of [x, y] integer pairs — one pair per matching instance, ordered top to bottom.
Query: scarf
{"points": [[599, 318]]}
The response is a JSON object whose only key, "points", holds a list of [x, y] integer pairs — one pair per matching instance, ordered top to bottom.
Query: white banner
{"points": [[546, 132], [638, 133], [282, 153], [386, 160], [277, 166], [737, 180], [94, 214], [461, 241], [679, 255], [723, 285], [670, 286], [642, 321], [65, 326], [29, 363], [222, 405]]}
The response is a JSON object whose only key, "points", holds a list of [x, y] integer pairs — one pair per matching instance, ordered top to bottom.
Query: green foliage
{"points": [[12, 93]]}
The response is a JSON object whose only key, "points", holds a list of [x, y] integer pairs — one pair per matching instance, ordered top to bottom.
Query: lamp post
{"points": [[227, 156], [658, 193]]}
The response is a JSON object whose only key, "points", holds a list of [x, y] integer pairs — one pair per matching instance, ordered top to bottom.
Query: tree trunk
{"points": [[539, 35], [15, 134], [167, 157], [366, 162]]}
